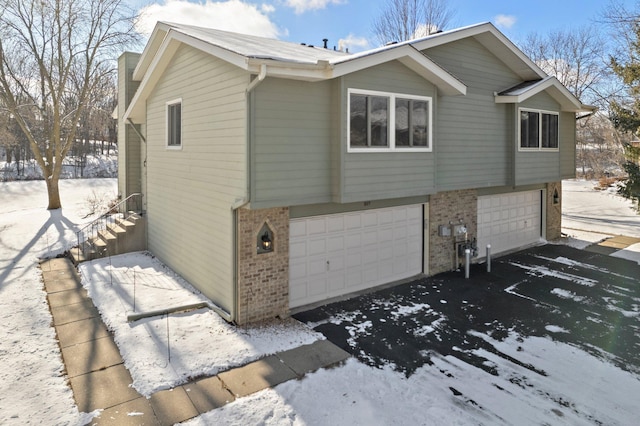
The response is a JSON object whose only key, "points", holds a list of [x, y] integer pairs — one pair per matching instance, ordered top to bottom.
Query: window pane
{"points": [[174, 117], [358, 120], [379, 120], [402, 122], [419, 123], [529, 129], [549, 131]]}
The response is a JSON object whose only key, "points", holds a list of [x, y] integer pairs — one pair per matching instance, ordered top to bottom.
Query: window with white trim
{"points": [[382, 122], [174, 124], [538, 130]]}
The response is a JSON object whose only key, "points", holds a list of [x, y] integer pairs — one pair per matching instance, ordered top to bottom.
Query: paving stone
{"points": [[57, 264], [60, 274], [54, 286], [67, 297], [74, 312], [83, 331], [91, 356], [307, 358], [258, 375], [103, 389], [208, 394], [172, 406], [137, 412]]}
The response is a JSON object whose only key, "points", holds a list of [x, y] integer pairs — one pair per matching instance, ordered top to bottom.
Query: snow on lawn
{"points": [[605, 212], [164, 351], [33, 389]]}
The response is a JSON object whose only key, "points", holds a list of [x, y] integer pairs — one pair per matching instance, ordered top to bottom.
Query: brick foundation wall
{"points": [[446, 207], [554, 211], [263, 279]]}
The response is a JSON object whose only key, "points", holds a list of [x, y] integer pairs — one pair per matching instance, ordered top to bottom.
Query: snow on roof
{"points": [[259, 47]]}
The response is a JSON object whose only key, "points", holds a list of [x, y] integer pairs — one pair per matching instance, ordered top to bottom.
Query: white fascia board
{"points": [[151, 48], [410, 57], [291, 70], [567, 101], [136, 110]]}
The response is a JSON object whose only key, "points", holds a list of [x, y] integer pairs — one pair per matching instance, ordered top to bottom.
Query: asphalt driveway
{"points": [[587, 300]]}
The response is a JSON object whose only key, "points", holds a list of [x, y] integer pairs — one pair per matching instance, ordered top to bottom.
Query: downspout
{"points": [[247, 198]]}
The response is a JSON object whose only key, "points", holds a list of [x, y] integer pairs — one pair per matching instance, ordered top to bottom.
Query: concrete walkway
{"points": [[100, 381]]}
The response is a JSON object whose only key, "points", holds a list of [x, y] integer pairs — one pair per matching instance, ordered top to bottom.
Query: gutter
{"points": [[259, 79]]}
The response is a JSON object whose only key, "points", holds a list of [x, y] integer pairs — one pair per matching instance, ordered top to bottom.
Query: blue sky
{"points": [[347, 23]]}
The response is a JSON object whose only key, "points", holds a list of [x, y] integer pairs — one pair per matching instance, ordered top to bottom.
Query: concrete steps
{"points": [[118, 237]]}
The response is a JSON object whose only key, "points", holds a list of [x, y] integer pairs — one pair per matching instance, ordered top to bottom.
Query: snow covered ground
{"points": [[32, 390]]}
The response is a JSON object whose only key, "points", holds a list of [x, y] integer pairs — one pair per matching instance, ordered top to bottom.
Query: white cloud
{"points": [[301, 6], [229, 15], [505, 21], [353, 43]]}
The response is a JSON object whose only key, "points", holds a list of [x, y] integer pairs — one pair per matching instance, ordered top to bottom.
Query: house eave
{"points": [[567, 101]]}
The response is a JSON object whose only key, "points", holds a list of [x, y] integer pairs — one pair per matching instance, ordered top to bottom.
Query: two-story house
{"points": [[278, 175]]}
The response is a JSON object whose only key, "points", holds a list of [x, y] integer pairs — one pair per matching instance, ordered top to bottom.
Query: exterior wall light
{"points": [[556, 196], [265, 240]]}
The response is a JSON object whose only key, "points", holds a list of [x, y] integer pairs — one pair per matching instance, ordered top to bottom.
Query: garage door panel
{"points": [[335, 224], [316, 226], [316, 246], [349, 252]]}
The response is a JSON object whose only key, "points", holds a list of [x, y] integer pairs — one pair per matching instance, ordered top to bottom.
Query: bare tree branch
{"points": [[408, 19], [53, 54]]}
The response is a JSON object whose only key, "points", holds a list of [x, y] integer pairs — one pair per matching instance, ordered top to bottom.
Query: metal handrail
{"points": [[123, 210]]}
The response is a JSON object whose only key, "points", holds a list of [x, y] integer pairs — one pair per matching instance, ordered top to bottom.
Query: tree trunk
{"points": [[53, 192]]}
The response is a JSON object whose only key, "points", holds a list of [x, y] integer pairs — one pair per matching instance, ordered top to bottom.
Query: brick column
{"points": [[446, 207], [554, 211], [263, 279]]}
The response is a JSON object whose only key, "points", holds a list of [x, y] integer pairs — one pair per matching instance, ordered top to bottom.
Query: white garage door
{"points": [[509, 221], [337, 254]]}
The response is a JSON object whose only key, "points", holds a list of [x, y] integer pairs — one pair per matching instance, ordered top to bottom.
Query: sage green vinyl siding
{"points": [[474, 134], [290, 143], [541, 166], [376, 176], [190, 190]]}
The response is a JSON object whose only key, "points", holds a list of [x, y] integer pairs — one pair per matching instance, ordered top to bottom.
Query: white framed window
{"points": [[384, 122], [174, 124], [538, 130]]}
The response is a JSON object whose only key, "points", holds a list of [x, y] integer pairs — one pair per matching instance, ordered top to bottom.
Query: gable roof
{"points": [[282, 59]]}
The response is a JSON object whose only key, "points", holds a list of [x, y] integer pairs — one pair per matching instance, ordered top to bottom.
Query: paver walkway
{"points": [[100, 381]]}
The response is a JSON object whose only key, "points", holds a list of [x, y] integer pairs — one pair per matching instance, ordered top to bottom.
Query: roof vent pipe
{"points": [[325, 40]]}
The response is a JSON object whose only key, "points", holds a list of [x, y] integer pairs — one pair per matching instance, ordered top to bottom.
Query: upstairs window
{"points": [[382, 122], [174, 124], [538, 130]]}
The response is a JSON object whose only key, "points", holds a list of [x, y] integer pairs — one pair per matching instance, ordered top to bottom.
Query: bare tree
{"points": [[402, 20], [53, 53], [575, 57]]}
